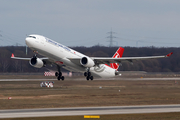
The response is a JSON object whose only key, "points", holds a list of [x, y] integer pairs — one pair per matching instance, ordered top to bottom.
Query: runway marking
{"points": [[87, 116]]}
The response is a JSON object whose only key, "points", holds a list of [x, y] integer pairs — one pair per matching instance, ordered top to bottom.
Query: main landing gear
{"points": [[59, 75], [88, 75]]}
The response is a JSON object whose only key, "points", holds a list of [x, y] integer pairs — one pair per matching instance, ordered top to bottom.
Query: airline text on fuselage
{"points": [[57, 44]]}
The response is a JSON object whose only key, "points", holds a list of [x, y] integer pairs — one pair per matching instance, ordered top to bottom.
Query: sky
{"points": [[135, 23]]}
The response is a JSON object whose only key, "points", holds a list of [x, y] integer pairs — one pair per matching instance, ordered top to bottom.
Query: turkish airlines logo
{"points": [[116, 55], [99, 68]]}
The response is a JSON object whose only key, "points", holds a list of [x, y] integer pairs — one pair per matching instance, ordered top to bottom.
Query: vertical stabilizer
{"points": [[118, 54]]}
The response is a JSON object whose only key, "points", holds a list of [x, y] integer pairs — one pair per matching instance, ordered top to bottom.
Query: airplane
{"points": [[69, 59]]}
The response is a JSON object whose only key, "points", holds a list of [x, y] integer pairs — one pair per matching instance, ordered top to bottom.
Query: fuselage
{"points": [[61, 55]]}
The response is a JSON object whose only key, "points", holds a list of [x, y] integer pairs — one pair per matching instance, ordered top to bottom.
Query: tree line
{"points": [[171, 64]]}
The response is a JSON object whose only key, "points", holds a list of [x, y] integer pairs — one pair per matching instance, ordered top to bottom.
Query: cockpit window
{"points": [[32, 37]]}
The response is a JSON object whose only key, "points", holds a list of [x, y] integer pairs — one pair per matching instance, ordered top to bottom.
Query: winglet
{"points": [[12, 55], [168, 55]]}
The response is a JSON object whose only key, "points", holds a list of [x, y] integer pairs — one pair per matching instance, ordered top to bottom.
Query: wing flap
{"points": [[75, 60]]}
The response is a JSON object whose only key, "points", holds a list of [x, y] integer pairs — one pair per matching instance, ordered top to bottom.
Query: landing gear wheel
{"points": [[56, 74], [60, 74], [85, 74], [89, 74], [58, 77], [91, 77], [62, 78], [87, 78]]}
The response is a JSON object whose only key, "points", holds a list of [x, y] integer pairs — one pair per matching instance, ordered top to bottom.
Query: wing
{"points": [[19, 58], [101, 60], [108, 60]]}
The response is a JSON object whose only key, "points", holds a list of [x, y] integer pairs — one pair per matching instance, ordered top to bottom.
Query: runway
{"points": [[172, 78], [83, 79], [1, 80], [74, 111]]}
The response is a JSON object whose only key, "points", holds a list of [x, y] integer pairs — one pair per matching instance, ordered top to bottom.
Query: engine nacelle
{"points": [[36, 62], [87, 62]]}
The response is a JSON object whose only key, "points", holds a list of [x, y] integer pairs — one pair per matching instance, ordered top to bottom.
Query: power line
{"points": [[7, 37], [111, 38]]}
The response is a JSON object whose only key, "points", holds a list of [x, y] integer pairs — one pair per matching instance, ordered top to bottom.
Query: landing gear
{"points": [[59, 74], [88, 76]]}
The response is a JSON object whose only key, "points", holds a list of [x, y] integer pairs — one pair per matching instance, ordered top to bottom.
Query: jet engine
{"points": [[36, 62], [87, 62]]}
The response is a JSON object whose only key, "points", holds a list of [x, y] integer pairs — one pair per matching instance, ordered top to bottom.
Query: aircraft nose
{"points": [[29, 41]]}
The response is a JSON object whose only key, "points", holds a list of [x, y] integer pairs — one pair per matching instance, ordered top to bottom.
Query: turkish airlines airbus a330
{"points": [[64, 57]]}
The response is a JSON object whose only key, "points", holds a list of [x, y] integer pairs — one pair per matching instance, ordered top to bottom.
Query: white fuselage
{"points": [[60, 54]]}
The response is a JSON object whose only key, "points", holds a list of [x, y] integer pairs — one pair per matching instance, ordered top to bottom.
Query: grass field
{"points": [[72, 93], [78, 93]]}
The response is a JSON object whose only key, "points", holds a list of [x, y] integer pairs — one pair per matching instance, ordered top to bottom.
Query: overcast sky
{"points": [[87, 22]]}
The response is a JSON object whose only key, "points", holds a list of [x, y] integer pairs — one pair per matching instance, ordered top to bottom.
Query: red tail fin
{"points": [[118, 54]]}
